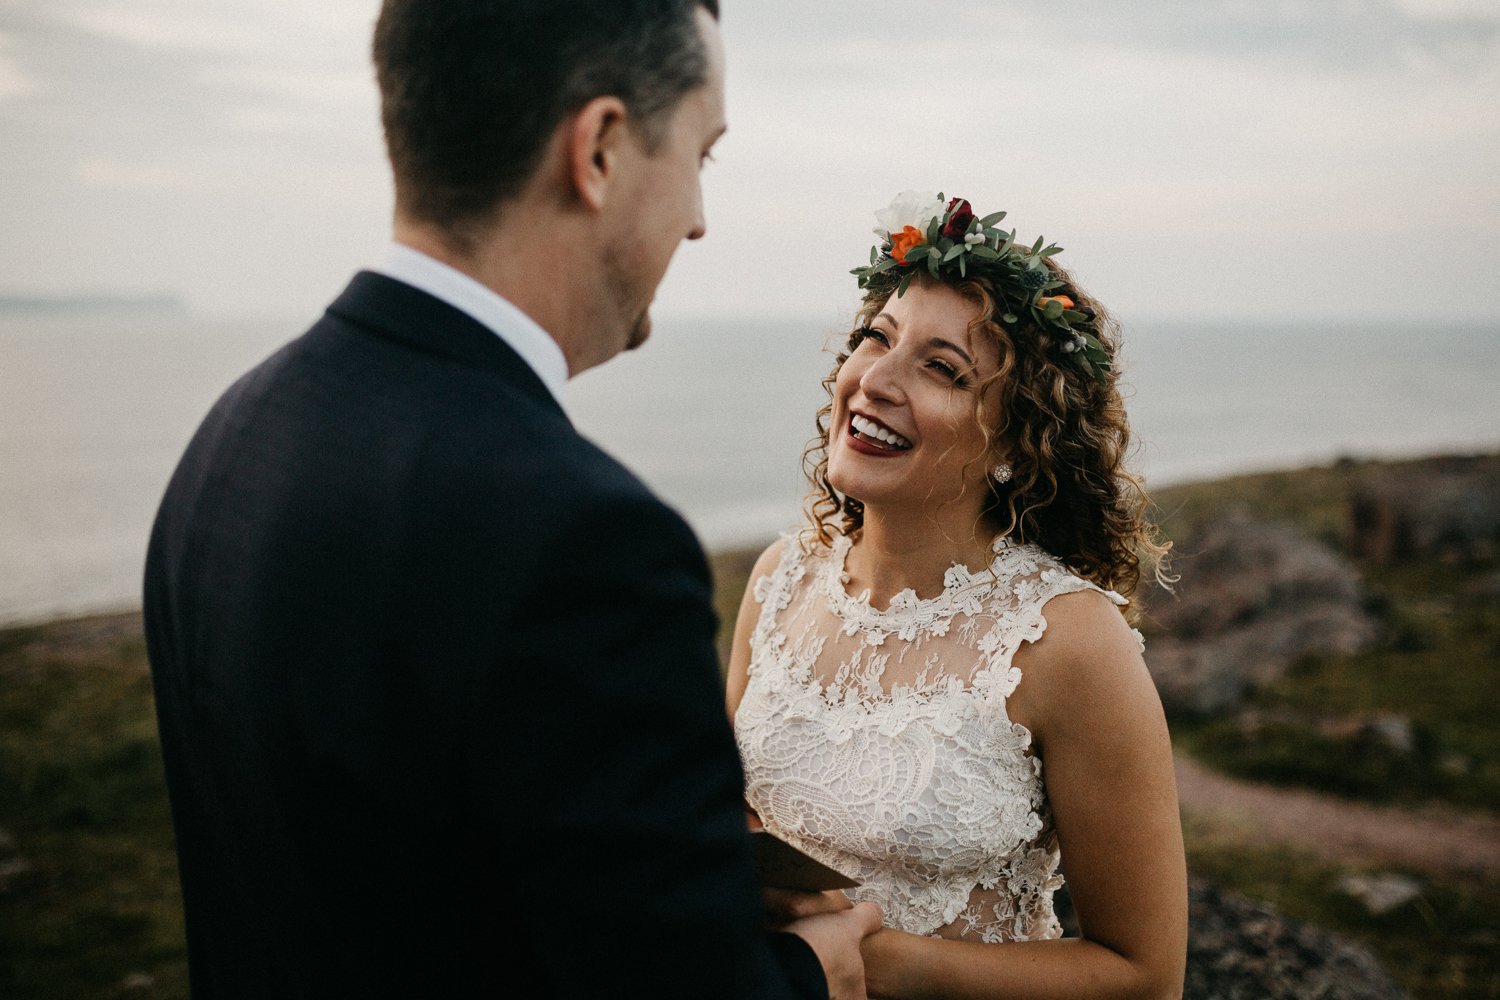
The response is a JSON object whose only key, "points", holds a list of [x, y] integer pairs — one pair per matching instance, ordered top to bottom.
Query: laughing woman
{"points": [[935, 686]]}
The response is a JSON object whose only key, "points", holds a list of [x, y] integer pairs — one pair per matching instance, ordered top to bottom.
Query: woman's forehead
{"points": [[941, 312]]}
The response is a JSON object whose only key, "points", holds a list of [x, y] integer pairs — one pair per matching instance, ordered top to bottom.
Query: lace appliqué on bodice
{"points": [[878, 741]]}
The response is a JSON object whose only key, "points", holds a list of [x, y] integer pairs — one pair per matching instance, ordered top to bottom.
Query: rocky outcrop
{"points": [[1440, 508], [1253, 597], [1241, 950], [1244, 950]]}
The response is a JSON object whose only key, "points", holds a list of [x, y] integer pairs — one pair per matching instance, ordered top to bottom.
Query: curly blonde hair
{"points": [[1067, 436]]}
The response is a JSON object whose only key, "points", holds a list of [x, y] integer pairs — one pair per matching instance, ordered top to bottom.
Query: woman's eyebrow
{"points": [[940, 342]]}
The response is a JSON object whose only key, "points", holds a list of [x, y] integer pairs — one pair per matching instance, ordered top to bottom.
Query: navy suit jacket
{"points": [[437, 690]]}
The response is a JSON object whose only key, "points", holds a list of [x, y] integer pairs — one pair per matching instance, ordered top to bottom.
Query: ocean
{"points": [[95, 410]]}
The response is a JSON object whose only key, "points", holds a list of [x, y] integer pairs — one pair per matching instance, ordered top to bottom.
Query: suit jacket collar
{"points": [[407, 315]]}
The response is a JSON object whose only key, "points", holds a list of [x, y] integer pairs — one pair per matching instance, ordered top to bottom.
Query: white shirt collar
{"points": [[522, 333]]}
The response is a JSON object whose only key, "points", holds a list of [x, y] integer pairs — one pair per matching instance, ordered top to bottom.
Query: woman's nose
{"points": [[882, 379]]}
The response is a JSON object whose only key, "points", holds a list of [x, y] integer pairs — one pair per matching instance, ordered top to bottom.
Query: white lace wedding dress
{"points": [[878, 741]]}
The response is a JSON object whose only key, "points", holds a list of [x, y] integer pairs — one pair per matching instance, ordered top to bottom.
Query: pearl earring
{"points": [[1001, 472]]}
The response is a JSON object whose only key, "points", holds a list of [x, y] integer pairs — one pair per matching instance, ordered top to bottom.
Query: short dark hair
{"points": [[471, 90]]}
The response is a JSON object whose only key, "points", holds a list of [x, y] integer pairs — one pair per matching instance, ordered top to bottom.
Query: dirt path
{"points": [[1437, 840]]}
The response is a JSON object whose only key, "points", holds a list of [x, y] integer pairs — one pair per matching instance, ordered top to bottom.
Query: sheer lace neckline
{"points": [[963, 591]]}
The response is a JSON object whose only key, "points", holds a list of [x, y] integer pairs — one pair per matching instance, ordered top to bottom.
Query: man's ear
{"points": [[595, 143]]}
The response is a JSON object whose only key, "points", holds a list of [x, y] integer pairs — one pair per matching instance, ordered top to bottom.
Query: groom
{"points": [[435, 676]]}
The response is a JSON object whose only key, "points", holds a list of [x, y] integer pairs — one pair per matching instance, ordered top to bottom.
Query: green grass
{"points": [[1438, 665], [82, 794], [1443, 945]]}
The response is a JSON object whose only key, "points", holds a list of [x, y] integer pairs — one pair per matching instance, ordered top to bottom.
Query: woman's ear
{"points": [[595, 139]]}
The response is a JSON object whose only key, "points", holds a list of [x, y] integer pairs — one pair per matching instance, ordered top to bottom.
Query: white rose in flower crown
{"points": [[910, 208]]}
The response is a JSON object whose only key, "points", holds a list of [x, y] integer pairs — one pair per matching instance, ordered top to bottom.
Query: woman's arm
{"points": [[739, 652], [1098, 726]]}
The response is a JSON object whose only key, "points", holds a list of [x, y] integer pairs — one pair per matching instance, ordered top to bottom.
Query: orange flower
{"points": [[903, 241], [1067, 303]]}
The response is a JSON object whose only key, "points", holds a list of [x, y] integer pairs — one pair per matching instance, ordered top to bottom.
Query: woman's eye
{"points": [[870, 333], [948, 371]]}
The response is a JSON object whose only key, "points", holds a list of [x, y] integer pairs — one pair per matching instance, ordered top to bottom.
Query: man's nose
{"points": [[700, 224]]}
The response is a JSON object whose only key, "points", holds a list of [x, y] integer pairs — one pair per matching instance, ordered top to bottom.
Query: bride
{"points": [[935, 686]]}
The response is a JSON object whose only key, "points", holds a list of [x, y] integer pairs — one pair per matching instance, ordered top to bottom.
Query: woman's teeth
{"points": [[870, 429]]}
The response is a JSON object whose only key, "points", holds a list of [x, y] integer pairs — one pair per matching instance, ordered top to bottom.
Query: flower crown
{"points": [[918, 228]]}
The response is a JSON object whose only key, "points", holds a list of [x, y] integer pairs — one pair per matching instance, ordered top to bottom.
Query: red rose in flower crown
{"points": [[957, 226]]}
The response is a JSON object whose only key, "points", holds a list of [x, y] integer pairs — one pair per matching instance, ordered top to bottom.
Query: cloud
{"points": [[174, 27], [14, 81], [113, 175]]}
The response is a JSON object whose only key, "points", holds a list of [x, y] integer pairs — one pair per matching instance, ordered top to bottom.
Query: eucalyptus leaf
{"points": [[991, 219], [1037, 246], [1053, 249], [956, 250], [984, 253], [963, 265], [905, 280], [1074, 316]]}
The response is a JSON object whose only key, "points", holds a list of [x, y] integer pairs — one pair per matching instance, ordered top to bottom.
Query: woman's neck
{"points": [[893, 554]]}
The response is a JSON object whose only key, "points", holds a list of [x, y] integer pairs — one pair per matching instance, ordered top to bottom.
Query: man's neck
{"points": [[530, 281]]}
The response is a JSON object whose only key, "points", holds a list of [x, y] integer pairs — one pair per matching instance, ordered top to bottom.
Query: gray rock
{"points": [[1447, 508], [1252, 598], [1393, 730], [13, 870], [1382, 893], [1241, 950]]}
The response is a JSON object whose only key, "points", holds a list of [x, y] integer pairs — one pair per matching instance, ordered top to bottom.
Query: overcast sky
{"points": [[1259, 159]]}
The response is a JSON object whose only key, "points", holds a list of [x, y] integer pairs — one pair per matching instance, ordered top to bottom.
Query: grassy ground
{"points": [[1438, 666], [89, 905], [92, 907], [1442, 945]]}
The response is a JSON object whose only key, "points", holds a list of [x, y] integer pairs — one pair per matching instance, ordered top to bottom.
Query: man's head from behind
{"points": [[472, 90], [584, 119]]}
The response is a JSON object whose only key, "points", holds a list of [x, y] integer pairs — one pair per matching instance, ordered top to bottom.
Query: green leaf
{"points": [[991, 219], [934, 229], [945, 244], [1037, 246], [1053, 249], [954, 250], [918, 252], [984, 253], [932, 264], [884, 265], [963, 265], [905, 280], [1053, 309], [1074, 316], [1009, 318]]}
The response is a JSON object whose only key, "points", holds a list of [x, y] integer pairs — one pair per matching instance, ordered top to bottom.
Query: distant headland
{"points": [[89, 303]]}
